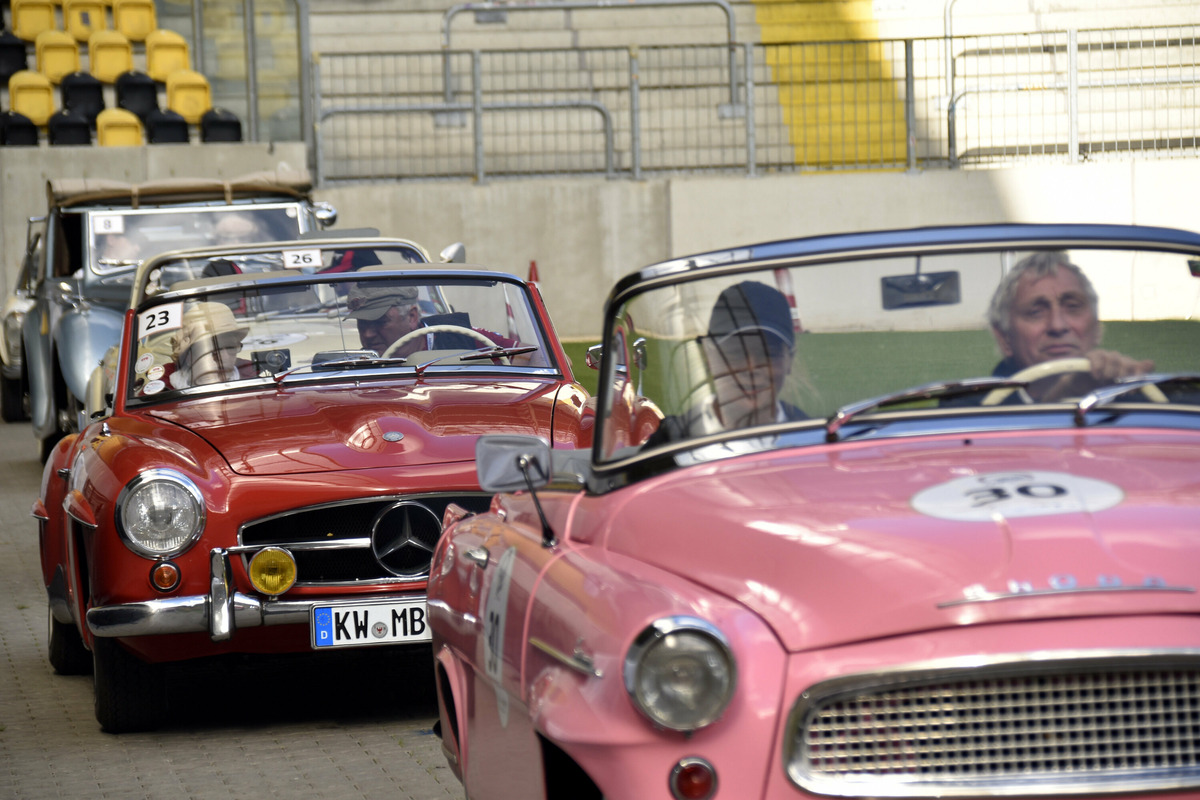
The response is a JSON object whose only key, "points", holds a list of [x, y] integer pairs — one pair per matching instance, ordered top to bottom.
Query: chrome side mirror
{"points": [[325, 213], [454, 254]]}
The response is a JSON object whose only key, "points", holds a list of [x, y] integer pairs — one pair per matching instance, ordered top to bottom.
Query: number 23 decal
{"points": [[160, 319]]}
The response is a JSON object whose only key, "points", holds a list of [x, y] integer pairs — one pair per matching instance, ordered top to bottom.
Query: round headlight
{"points": [[160, 513], [272, 571], [680, 673]]}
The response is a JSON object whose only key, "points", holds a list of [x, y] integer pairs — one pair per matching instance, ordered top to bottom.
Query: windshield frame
{"points": [[618, 467]]}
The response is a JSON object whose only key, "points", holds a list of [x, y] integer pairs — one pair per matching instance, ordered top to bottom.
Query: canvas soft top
{"points": [[288, 182]]}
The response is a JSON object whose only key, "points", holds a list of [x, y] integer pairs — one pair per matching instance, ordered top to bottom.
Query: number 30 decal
{"points": [[160, 319], [980, 498]]}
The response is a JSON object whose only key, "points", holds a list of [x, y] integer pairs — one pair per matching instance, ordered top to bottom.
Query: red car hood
{"points": [[339, 428], [854, 542]]}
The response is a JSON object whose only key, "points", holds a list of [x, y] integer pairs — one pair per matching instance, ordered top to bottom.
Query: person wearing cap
{"points": [[386, 313], [206, 347], [748, 351]]}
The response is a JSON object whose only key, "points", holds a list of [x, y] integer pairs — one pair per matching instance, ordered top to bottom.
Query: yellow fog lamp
{"points": [[272, 571]]}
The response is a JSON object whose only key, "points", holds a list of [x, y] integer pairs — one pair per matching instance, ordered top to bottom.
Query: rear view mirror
{"points": [[454, 254], [920, 289]]}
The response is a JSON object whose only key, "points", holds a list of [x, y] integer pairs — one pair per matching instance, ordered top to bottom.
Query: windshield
{"points": [[121, 239], [230, 331], [819, 344]]}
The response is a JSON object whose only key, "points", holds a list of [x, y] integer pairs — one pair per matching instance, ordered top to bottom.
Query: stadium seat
{"points": [[31, 17], [81, 18], [134, 18], [166, 51], [56, 54], [14, 55], [109, 55], [137, 92], [31, 93], [83, 93], [188, 94], [220, 125], [164, 126], [68, 127], [117, 127], [17, 129]]}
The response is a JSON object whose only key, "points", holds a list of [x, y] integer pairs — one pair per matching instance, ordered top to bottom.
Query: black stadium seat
{"points": [[137, 92], [83, 93], [220, 125], [164, 126], [68, 127], [17, 129]]}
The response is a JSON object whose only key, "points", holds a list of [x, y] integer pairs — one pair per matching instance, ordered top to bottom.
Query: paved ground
{"points": [[339, 729]]}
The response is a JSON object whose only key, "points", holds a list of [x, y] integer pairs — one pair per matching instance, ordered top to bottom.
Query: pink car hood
{"points": [[343, 428], [857, 541]]}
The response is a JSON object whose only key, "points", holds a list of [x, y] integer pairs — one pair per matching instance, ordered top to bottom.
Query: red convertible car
{"points": [[271, 450], [919, 518]]}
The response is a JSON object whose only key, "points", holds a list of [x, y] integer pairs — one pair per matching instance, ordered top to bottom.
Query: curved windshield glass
{"points": [[120, 239], [223, 331], [820, 344]]}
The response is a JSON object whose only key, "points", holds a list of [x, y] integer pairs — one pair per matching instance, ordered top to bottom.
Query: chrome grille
{"points": [[339, 543], [1072, 726]]}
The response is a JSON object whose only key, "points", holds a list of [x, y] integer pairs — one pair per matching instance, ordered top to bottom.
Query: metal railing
{"points": [[884, 104]]}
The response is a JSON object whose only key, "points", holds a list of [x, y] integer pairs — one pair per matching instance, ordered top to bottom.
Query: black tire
{"points": [[12, 400], [46, 446], [67, 654], [130, 694]]}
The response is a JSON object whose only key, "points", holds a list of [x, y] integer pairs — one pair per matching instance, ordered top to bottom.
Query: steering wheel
{"points": [[413, 334], [1061, 366]]}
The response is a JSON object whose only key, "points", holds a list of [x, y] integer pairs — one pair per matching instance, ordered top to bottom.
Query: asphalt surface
{"points": [[348, 726]]}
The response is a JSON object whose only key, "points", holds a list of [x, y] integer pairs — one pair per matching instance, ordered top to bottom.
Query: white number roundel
{"points": [[1033, 493]]}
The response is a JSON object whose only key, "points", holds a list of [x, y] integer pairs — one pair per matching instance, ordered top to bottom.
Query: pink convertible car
{"points": [[902, 514]]}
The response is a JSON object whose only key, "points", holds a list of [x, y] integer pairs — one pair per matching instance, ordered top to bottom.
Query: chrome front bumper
{"points": [[219, 613]]}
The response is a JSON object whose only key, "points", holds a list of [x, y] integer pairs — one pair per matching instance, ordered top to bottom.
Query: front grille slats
{"points": [[351, 523], [1082, 726]]}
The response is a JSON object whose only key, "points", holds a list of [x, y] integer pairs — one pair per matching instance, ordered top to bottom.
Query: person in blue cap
{"points": [[748, 350]]}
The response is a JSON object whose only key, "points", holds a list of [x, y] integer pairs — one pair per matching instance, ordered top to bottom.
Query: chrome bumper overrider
{"points": [[219, 613]]}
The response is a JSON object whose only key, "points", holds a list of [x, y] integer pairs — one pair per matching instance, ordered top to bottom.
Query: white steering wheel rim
{"points": [[413, 334], [1058, 367]]}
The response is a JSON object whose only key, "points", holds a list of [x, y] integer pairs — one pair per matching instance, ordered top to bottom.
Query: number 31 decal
{"points": [[159, 319]]}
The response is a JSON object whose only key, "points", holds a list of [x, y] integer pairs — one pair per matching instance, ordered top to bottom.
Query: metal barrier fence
{"points": [[632, 112]]}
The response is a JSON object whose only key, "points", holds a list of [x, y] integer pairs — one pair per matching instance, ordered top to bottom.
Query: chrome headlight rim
{"points": [[167, 476], [654, 636]]}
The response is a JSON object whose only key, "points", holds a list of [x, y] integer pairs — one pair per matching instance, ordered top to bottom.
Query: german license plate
{"points": [[360, 624]]}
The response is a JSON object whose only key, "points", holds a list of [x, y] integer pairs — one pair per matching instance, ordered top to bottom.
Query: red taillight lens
{"points": [[693, 779]]}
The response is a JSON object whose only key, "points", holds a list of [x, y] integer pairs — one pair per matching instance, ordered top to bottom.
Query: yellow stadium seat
{"points": [[31, 17], [83, 17], [134, 18], [166, 51], [56, 54], [109, 55], [31, 93], [188, 94], [116, 127]]}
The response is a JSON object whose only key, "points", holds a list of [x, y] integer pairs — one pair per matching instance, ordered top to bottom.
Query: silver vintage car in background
{"points": [[96, 233]]}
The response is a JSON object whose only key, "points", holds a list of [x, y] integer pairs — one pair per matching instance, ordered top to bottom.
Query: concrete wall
{"points": [[585, 234]]}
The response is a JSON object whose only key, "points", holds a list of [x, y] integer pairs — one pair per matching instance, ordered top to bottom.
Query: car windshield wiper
{"points": [[478, 355], [347, 363], [924, 392], [1104, 395]]}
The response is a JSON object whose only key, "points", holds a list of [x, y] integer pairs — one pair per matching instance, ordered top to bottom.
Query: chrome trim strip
{"points": [[991, 597], [580, 661]]}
